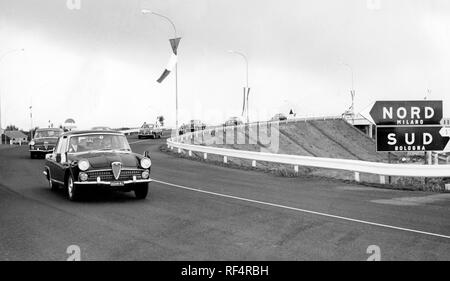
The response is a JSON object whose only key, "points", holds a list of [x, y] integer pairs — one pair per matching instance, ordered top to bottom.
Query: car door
{"points": [[51, 158], [60, 162]]}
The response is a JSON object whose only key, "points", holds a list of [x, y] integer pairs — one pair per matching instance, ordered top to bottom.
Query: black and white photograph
{"points": [[222, 136]]}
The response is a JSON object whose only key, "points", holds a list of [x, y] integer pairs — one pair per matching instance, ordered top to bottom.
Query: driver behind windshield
{"points": [[100, 142]]}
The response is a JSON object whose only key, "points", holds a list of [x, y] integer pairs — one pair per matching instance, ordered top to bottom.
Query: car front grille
{"points": [[42, 147], [107, 175]]}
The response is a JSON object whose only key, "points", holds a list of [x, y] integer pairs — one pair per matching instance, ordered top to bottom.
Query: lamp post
{"points": [[145, 12], [1, 59], [246, 72], [352, 90]]}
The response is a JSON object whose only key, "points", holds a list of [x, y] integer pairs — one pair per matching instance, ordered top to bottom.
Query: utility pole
{"points": [[145, 11], [247, 88], [352, 92], [31, 117]]}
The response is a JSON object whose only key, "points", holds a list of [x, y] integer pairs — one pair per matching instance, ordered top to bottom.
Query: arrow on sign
{"points": [[365, 113], [445, 131]]}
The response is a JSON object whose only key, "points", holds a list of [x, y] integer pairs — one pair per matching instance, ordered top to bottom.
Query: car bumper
{"points": [[42, 150], [113, 183]]}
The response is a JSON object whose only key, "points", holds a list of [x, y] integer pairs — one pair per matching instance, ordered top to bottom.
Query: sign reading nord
{"points": [[404, 113]]}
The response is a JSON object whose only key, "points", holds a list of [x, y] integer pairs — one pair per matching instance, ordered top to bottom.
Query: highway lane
{"points": [[175, 223]]}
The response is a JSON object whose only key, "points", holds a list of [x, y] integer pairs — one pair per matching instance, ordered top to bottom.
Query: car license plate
{"points": [[117, 183]]}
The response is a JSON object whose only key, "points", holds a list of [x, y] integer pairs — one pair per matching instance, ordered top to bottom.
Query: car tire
{"points": [[139, 137], [32, 155], [73, 191], [141, 191]]}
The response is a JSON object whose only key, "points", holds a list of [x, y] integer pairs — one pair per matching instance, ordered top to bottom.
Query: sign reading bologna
{"points": [[407, 138]]}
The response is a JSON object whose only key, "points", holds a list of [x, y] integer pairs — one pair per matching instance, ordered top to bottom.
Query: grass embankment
{"points": [[325, 138]]}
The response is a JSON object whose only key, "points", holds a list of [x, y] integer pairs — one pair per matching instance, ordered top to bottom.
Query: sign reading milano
{"points": [[409, 125]]}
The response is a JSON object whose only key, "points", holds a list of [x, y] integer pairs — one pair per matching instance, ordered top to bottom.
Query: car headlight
{"points": [[32, 142], [146, 163], [83, 165], [145, 174], [83, 176]]}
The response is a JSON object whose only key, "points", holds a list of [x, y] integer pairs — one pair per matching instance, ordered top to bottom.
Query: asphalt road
{"points": [[197, 211]]}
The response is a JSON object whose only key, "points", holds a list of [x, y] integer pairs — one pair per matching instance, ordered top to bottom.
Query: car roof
{"points": [[48, 129], [84, 132]]}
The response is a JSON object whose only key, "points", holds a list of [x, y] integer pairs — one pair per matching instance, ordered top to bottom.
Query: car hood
{"points": [[49, 140], [103, 160]]}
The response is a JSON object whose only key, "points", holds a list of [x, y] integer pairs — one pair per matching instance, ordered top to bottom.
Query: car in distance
{"points": [[279, 117], [233, 121], [196, 125], [184, 128], [150, 131], [44, 141], [89, 159]]}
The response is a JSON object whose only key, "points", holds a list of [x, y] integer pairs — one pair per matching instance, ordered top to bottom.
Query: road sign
{"points": [[404, 113], [445, 131], [417, 138]]}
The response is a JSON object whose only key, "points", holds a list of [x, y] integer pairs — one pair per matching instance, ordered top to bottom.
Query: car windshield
{"points": [[101, 128], [47, 134], [96, 142]]}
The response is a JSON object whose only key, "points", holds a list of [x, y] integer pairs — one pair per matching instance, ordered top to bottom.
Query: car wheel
{"points": [[139, 137], [32, 156], [73, 191], [141, 191]]}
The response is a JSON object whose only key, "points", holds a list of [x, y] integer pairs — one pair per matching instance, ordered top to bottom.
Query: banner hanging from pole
{"points": [[173, 59]]}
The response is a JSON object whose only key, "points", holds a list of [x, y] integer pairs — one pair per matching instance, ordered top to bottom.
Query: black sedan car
{"points": [[44, 141], [87, 159]]}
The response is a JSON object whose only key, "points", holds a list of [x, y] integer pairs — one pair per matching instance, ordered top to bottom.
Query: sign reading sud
{"points": [[407, 138]]}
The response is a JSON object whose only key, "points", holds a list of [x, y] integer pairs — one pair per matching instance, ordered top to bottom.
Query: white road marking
{"points": [[303, 210]]}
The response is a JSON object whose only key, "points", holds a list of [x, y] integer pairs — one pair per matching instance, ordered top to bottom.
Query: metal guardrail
{"points": [[356, 166]]}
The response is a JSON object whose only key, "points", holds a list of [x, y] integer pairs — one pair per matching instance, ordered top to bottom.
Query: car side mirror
{"points": [[146, 154], [58, 157]]}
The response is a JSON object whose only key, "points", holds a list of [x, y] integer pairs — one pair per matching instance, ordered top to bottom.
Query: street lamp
{"points": [[146, 12], [1, 59], [246, 68], [352, 90]]}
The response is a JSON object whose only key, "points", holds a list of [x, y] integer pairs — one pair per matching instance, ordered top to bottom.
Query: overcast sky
{"points": [[99, 64]]}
